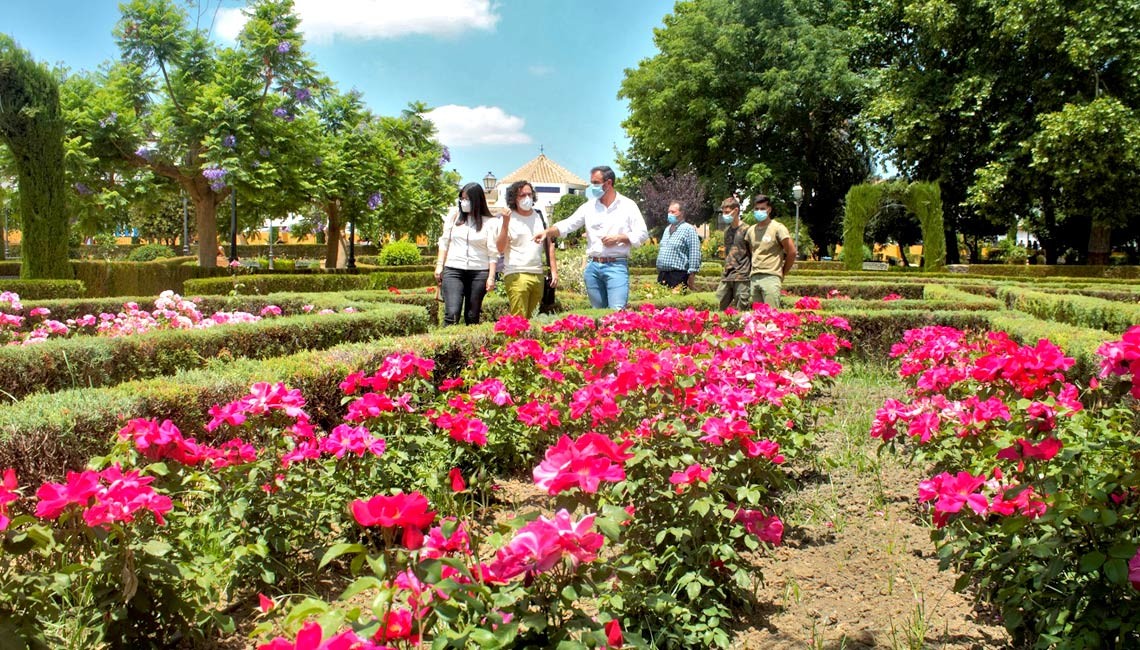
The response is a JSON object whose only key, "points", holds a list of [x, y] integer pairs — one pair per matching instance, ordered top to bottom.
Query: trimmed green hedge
{"points": [[10, 267], [1057, 271], [103, 278], [402, 279], [265, 284], [43, 289], [854, 290], [944, 292], [1084, 311], [90, 361], [46, 434]]}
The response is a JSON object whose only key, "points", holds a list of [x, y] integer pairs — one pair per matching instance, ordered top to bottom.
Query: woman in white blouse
{"points": [[467, 255]]}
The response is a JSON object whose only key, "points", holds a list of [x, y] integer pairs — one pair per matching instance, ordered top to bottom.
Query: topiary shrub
{"points": [[150, 252], [400, 253]]}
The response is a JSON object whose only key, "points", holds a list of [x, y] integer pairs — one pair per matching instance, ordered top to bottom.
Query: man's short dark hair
{"points": [[607, 173], [512, 193], [761, 198], [730, 202]]}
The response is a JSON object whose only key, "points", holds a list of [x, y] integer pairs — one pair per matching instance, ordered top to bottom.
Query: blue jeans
{"points": [[607, 284]]}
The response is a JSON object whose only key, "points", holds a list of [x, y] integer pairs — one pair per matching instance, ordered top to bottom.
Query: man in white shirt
{"points": [[614, 226], [523, 258]]}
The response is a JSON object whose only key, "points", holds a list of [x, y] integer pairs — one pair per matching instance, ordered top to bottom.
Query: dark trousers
{"points": [[672, 278], [463, 291]]}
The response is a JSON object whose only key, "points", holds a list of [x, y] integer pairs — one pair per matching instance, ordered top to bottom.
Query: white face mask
{"points": [[526, 203], [464, 205]]}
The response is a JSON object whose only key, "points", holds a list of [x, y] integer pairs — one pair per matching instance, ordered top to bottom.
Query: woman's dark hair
{"points": [[513, 193], [479, 209]]}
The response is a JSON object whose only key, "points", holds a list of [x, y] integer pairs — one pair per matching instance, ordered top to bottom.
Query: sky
{"points": [[504, 77]]}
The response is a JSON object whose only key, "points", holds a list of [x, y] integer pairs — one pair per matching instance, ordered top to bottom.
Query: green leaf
{"points": [[156, 547], [337, 550], [1122, 550], [1091, 561], [1116, 570], [359, 585], [693, 590]]}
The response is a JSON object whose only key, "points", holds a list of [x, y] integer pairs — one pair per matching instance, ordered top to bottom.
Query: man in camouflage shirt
{"points": [[733, 290]]}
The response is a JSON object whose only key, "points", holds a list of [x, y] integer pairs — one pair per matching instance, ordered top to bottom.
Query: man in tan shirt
{"points": [[773, 253]]}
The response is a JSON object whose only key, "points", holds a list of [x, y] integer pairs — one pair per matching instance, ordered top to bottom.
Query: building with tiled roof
{"points": [[551, 182]]}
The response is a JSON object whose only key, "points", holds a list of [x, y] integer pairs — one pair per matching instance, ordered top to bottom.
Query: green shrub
{"points": [[712, 248], [149, 252], [400, 253], [644, 255], [10, 267], [401, 279], [247, 284], [43, 289], [857, 290], [1084, 311], [90, 361], [45, 434]]}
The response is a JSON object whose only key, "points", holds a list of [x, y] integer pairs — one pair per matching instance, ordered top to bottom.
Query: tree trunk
{"points": [[206, 218], [332, 235], [1049, 239], [1100, 244], [952, 254], [902, 255]]}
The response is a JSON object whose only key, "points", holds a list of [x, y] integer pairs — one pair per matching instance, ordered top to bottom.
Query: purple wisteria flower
{"points": [[279, 26], [284, 46], [302, 94], [281, 113], [109, 120], [229, 141], [264, 152], [145, 153], [445, 157], [318, 161], [216, 176], [82, 189], [374, 201]]}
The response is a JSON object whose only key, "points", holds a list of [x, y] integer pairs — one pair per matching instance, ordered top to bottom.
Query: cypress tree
{"points": [[31, 124]]}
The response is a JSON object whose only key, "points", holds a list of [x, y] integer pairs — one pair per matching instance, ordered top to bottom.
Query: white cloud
{"points": [[322, 20], [464, 125]]}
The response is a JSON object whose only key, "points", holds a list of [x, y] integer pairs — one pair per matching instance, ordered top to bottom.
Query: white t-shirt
{"points": [[621, 217], [469, 249], [522, 254]]}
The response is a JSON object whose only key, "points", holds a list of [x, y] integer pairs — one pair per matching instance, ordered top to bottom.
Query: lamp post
{"points": [[489, 181], [798, 197], [6, 211], [233, 225], [185, 226], [272, 236]]}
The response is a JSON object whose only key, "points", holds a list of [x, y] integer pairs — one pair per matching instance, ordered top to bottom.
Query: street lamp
{"points": [[489, 181], [798, 197], [6, 211], [351, 264]]}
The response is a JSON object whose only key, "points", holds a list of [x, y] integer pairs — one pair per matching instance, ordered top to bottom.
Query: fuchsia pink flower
{"points": [[891, 296], [808, 302], [512, 326], [1123, 358], [493, 390], [539, 414], [345, 439], [583, 463], [692, 474], [8, 494], [105, 497], [407, 511], [768, 528], [543, 543], [437, 544], [1134, 570], [311, 637]]}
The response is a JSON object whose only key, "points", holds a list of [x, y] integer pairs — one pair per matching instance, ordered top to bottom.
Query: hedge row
{"points": [[102, 278], [277, 283], [32, 289], [856, 290], [973, 295], [290, 303], [1084, 311], [90, 361], [46, 434]]}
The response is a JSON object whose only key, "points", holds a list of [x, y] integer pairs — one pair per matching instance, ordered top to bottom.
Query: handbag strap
{"points": [[545, 244]]}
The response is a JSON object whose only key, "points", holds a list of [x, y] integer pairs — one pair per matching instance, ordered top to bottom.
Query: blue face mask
{"points": [[594, 191], [760, 214], [672, 218], [727, 218]]}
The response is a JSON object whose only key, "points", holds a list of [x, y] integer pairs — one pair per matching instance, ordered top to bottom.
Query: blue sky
{"points": [[506, 76]]}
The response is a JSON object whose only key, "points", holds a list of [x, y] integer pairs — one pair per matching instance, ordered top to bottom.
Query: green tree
{"points": [[752, 95], [212, 119], [32, 126]]}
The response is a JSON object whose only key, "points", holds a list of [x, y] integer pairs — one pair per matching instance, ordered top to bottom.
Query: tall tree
{"points": [[752, 95], [1010, 105], [212, 119], [32, 127]]}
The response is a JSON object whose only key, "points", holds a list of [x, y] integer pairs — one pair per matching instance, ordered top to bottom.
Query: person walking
{"points": [[614, 226], [772, 251], [679, 254], [465, 266], [523, 276], [734, 290]]}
